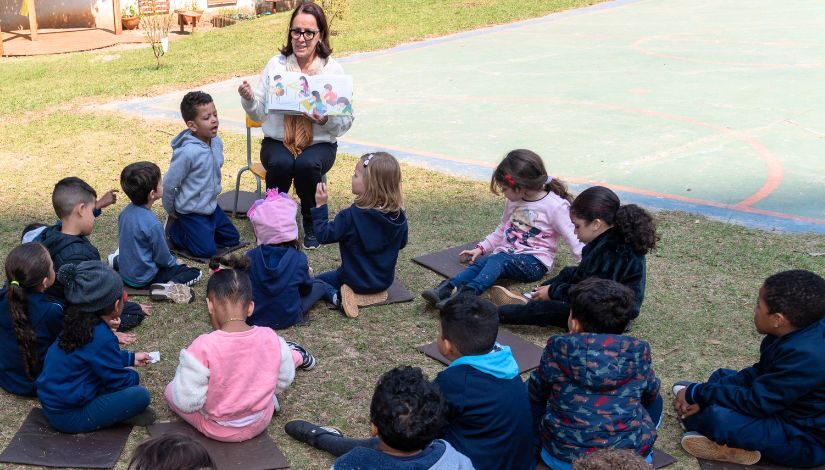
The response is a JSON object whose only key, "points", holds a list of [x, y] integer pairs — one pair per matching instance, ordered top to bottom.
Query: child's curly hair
{"points": [[634, 223], [230, 279], [798, 294], [407, 409], [611, 459]]}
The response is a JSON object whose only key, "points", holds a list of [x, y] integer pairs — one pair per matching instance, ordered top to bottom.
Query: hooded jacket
{"points": [[193, 182], [369, 241], [65, 249], [609, 256], [279, 276], [787, 383], [589, 393], [488, 410], [439, 455]]}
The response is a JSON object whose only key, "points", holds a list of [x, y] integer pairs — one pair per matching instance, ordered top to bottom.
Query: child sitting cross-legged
{"points": [[76, 205], [370, 233], [143, 256], [226, 380], [87, 382], [595, 388], [775, 408], [488, 412], [406, 416]]}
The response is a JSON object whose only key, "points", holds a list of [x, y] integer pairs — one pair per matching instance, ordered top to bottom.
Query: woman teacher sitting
{"points": [[302, 147]]}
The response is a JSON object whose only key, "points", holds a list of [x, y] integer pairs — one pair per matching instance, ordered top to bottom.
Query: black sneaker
{"points": [[310, 240], [461, 290], [438, 293], [307, 357], [308, 433]]}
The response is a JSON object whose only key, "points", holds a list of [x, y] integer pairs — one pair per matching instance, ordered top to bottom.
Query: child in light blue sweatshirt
{"points": [[193, 182], [143, 255]]}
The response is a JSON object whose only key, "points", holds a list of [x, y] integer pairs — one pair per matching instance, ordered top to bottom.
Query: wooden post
{"points": [[116, 10], [32, 20], [1, 40]]}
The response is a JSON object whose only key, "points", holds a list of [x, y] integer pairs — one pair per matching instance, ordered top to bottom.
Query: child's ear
{"points": [[191, 126], [209, 307], [250, 308], [779, 320], [573, 324], [373, 430]]}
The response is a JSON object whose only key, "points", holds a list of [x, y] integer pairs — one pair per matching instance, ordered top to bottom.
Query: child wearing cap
{"points": [[283, 289], [87, 382]]}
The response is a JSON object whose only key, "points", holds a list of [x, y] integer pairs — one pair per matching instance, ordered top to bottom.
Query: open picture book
{"points": [[298, 93]]}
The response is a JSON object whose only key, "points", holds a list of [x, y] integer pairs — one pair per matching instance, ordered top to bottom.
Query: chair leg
{"points": [[238, 190]]}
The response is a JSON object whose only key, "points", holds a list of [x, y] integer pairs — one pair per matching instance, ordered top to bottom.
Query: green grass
{"points": [[702, 281]]}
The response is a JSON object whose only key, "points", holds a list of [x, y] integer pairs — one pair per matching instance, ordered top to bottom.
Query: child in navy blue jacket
{"points": [[370, 233], [283, 289], [29, 322], [87, 382], [595, 388], [775, 408], [488, 412]]}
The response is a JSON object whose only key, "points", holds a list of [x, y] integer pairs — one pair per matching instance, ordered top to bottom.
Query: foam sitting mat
{"points": [[226, 202], [221, 252], [445, 262], [137, 292], [396, 293], [527, 354], [38, 443], [258, 453], [662, 459], [761, 465]]}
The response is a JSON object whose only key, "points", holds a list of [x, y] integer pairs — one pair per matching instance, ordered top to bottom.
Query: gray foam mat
{"points": [[221, 252], [445, 262], [38, 443], [258, 453]]}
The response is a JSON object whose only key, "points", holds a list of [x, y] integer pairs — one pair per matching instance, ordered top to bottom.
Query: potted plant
{"points": [[129, 17]]}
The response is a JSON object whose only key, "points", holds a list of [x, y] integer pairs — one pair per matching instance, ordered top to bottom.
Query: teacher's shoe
{"points": [[310, 240], [701, 447]]}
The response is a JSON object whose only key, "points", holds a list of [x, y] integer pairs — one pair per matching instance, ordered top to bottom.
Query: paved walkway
{"points": [[705, 106]]}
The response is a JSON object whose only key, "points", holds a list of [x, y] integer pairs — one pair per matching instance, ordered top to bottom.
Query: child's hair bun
{"points": [[67, 273]]}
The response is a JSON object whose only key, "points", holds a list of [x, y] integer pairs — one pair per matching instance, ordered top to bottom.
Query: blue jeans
{"points": [[202, 235], [486, 270], [104, 411], [772, 436]]}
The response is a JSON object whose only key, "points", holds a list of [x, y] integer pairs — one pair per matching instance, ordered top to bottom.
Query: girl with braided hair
{"points": [[29, 322]]}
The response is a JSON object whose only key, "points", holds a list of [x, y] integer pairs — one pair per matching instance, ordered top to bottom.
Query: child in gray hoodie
{"points": [[193, 182]]}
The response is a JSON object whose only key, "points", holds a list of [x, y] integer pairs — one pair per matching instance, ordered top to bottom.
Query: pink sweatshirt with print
{"points": [[534, 228]]}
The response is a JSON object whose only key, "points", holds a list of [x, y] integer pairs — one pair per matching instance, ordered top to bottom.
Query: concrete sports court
{"points": [[704, 106]]}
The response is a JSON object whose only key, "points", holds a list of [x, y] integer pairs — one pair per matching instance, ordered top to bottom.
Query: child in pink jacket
{"points": [[226, 380]]}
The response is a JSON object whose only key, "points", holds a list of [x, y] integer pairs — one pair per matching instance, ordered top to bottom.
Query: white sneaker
{"points": [[111, 258]]}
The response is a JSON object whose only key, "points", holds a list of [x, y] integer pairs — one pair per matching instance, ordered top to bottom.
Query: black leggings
{"points": [[282, 167], [538, 312], [339, 446]]}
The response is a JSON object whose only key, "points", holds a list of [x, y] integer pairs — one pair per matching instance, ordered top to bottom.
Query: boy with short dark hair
{"points": [[193, 182], [76, 206], [143, 255], [595, 388], [775, 408], [406, 416], [488, 417]]}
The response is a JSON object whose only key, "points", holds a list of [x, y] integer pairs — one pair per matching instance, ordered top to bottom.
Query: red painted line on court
{"points": [[638, 45]]}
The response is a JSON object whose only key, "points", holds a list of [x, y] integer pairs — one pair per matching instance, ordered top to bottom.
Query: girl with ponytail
{"points": [[617, 238], [29, 323]]}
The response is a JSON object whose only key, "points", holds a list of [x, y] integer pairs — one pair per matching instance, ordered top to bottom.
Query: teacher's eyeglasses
{"points": [[308, 34]]}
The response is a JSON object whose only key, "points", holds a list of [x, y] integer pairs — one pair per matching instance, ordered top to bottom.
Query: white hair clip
{"points": [[369, 157], [549, 179]]}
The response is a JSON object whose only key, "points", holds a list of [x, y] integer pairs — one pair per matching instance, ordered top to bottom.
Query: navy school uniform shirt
{"points": [[369, 241], [65, 249], [280, 276], [47, 321], [71, 380], [787, 383], [489, 411], [439, 455]]}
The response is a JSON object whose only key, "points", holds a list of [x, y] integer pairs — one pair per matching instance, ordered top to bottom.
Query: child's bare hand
{"points": [[245, 90], [317, 118], [321, 195], [108, 198], [469, 255], [541, 293], [147, 309], [125, 338], [142, 359], [682, 407]]}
